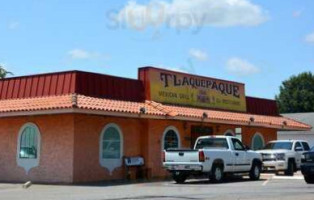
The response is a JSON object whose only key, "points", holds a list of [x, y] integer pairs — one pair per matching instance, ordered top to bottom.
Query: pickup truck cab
{"points": [[283, 155], [213, 156]]}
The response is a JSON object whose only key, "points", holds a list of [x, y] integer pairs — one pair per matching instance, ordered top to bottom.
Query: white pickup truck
{"points": [[283, 155], [213, 156]]}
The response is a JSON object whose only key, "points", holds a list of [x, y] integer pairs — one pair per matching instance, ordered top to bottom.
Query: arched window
{"points": [[229, 133], [171, 138], [257, 141], [29, 143], [111, 143], [28, 149]]}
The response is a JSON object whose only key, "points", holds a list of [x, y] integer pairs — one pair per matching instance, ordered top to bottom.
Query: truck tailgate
{"points": [[181, 156]]}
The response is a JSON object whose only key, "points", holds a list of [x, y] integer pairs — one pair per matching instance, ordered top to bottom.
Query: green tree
{"points": [[4, 73], [297, 94]]}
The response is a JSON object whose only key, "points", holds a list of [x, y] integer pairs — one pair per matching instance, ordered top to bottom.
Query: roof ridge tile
{"points": [[162, 108]]}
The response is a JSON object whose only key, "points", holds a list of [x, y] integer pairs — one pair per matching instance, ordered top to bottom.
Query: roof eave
{"points": [[147, 116]]}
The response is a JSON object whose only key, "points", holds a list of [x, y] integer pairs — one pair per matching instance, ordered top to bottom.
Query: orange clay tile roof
{"points": [[74, 101], [237, 117]]}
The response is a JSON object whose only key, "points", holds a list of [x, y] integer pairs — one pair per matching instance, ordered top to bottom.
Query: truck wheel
{"points": [[290, 169], [255, 171], [217, 174], [179, 177], [309, 179]]}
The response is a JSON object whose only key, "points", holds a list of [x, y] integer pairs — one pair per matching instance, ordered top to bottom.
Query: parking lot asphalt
{"points": [[269, 187]]}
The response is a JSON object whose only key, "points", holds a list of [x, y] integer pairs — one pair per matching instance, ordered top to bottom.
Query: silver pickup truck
{"points": [[283, 155], [213, 156]]}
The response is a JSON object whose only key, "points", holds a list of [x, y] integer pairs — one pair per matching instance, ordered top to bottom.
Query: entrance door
{"points": [[197, 131]]}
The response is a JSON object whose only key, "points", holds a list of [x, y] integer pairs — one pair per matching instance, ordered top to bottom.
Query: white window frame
{"points": [[169, 128], [229, 131], [255, 135], [28, 163], [110, 163]]}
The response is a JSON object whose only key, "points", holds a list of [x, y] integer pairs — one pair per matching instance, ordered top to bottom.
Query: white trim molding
{"points": [[257, 134], [164, 135], [28, 163], [112, 163]]}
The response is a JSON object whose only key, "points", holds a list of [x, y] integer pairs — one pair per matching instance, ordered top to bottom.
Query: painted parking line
{"points": [[268, 177], [265, 182]]}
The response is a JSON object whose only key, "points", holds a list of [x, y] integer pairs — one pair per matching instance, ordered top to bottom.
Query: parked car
{"points": [[283, 155], [213, 156], [307, 166]]}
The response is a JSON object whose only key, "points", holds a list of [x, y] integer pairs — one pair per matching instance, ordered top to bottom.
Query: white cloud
{"points": [[188, 13], [297, 13], [13, 25], [310, 38], [80, 54], [198, 54], [4, 65], [240, 67], [177, 69]]}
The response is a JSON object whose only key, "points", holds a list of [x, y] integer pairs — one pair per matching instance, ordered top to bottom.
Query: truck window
{"points": [[212, 143], [237, 145], [279, 145], [298, 146], [306, 146]]}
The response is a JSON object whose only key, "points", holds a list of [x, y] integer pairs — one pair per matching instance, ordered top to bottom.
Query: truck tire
{"points": [[290, 169], [255, 171], [217, 174], [179, 177], [309, 179]]}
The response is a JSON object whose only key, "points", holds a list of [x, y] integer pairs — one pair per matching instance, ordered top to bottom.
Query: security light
{"points": [[142, 110], [205, 115]]}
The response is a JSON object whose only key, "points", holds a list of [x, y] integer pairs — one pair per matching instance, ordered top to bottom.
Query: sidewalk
{"points": [[297, 176]]}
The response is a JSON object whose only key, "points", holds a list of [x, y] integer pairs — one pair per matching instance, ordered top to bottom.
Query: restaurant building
{"points": [[74, 127]]}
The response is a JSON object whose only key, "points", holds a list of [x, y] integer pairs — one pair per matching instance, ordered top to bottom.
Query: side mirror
{"points": [[247, 148], [298, 149], [303, 160]]}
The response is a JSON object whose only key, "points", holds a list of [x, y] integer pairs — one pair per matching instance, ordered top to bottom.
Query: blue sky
{"points": [[259, 43]]}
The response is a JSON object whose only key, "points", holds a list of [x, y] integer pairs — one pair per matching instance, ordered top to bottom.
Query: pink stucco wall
{"points": [[70, 146], [86, 148], [56, 156]]}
